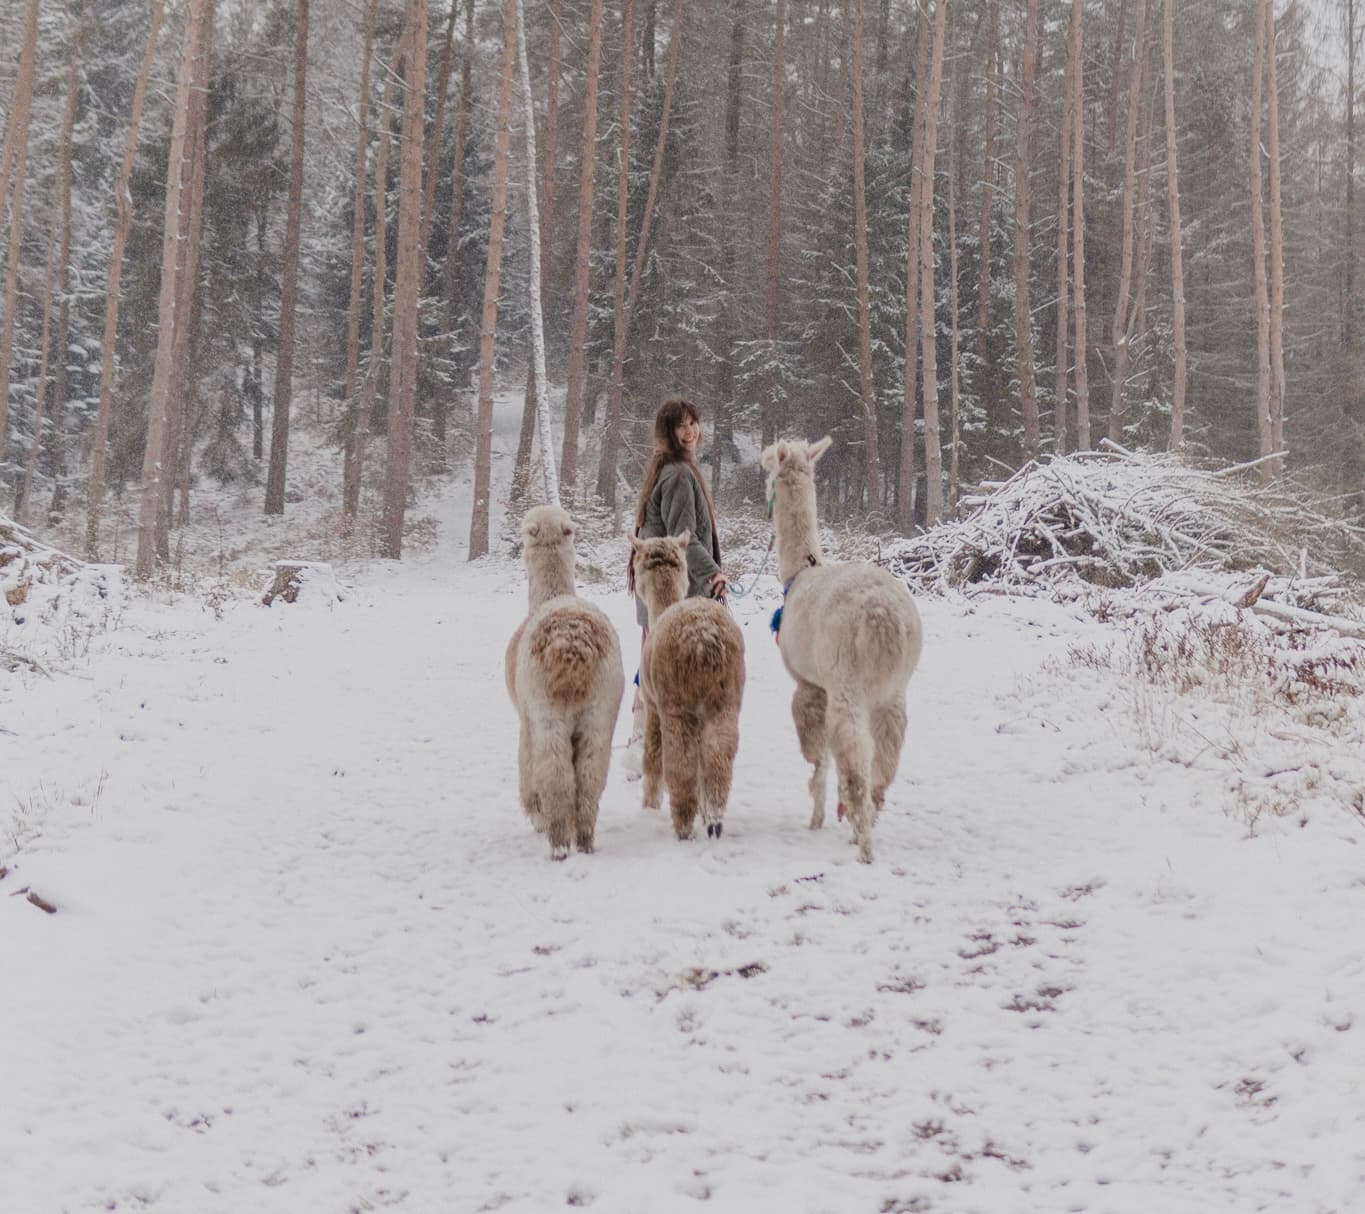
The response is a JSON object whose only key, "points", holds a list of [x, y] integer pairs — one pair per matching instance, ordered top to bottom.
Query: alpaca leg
{"points": [[808, 711], [888, 733], [851, 741], [719, 742], [592, 753], [653, 759], [682, 772], [555, 785], [530, 801]]}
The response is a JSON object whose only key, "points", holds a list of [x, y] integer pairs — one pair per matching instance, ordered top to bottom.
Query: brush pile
{"points": [[1119, 520], [52, 602]]}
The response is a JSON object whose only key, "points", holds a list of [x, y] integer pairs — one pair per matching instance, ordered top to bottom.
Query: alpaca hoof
{"points": [[840, 811], [817, 819], [713, 829]]}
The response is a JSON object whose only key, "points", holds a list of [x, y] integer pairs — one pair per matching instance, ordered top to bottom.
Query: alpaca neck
{"points": [[798, 537], [549, 579], [659, 597]]}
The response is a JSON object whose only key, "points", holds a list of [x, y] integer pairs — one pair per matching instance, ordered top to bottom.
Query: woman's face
{"points": [[688, 435]]}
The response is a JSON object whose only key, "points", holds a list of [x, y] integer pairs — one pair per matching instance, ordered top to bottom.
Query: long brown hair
{"points": [[673, 413]]}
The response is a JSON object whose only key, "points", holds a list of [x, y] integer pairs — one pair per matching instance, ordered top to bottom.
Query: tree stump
{"points": [[291, 577]]}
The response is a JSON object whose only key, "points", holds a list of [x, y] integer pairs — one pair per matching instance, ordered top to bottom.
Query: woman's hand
{"points": [[720, 587]]}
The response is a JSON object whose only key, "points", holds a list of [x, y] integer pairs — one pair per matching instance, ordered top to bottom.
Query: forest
{"points": [[957, 235]]}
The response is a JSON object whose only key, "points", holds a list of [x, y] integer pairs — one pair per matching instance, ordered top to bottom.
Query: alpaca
{"points": [[850, 636], [564, 675], [691, 684]]}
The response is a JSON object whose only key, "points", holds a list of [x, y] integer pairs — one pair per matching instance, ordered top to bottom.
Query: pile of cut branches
{"points": [[1118, 519], [52, 603]]}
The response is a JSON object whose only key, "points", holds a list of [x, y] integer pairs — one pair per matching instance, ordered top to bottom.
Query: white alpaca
{"points": [[850, 636], [563, 668], [691, 684]]}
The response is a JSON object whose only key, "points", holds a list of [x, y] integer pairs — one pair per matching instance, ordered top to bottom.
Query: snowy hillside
{"points": [[306, 955]]}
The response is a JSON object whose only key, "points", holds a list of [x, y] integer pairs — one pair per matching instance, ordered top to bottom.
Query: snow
{"points": [[308, 955]]}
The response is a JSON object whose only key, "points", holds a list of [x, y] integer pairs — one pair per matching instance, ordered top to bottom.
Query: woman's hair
{"points": [[667, 450]]}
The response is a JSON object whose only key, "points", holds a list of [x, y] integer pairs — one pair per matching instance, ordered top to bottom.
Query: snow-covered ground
{"points": [[308, 956]]}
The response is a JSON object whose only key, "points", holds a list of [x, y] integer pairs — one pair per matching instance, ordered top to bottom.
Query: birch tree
{"points": [[542, 409], [483, 452]]}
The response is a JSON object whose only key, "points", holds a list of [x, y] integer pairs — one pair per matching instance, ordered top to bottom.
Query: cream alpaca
{"points": [[850, 636], [564, 674], [691, 683]]}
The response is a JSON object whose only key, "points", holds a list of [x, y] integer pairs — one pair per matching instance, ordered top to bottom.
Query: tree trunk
{"points": [[957, 104], [1272, 119], [16, 129], [433, 142], [15, 168], [457, 179], [1173, 227], [58, 248], [914, 252], [407, 285], [983, 302], [1262, 303], [1023, 309], [171, 310], [1121, 324], [578, 330], [1080, 340], [284, 355], [1060, 372], [369, 392], [540, 392], [1353, 399], [769, 417], [180, 430], [611, 431], [933, 452], [483, 455], [872, 459], [351, 469], [521, 469]]}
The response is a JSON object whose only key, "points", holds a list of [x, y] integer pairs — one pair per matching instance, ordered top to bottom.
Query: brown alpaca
{"points": [[850, 636], [564, 674], [691, 683]]}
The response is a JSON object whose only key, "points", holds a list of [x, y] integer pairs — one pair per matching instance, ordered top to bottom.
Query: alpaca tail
{"points": [[570, 644]]}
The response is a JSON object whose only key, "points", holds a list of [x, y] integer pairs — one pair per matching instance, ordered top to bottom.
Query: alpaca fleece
{"points": [[851, 638], [565, 678], [692, 686]]}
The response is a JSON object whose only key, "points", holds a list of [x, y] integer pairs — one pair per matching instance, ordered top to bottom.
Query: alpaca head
{"points": [[792, 465], [547, 535], [661, 570]]}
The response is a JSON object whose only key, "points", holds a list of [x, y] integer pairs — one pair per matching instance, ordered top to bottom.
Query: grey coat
{"points": [[678, 504]]}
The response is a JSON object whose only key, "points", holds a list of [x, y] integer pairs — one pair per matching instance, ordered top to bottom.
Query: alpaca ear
{"points": [[816, 450], [769, 459], [682, 539], [636, 544]]}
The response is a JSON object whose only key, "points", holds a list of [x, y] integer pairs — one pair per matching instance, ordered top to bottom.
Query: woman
{"points": [[673, 499]]}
